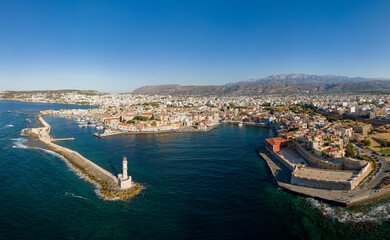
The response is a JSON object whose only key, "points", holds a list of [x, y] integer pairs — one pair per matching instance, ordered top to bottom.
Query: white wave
{"points": [[22, 132], [19, 142], [97, 191], [68, 194], [370, 214]]}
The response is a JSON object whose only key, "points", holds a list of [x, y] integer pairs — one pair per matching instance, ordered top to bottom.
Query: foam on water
{"points": [[22, 131], [19, 142], [97, 191], [69, 194], [376, 213]]}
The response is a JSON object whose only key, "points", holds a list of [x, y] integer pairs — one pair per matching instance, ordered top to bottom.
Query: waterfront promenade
{"points": [[180, 130], [107, 182], [361, 194]]}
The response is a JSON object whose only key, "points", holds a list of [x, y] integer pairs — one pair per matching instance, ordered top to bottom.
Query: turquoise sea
{"points": [[197, 186]]}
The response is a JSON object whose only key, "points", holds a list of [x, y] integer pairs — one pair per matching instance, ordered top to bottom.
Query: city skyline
{"points": [[119, 46]]}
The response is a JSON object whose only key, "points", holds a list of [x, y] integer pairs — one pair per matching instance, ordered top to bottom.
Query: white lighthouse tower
{"points": [[124, 180]]}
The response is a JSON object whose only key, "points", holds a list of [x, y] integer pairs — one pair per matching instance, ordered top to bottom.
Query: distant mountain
{"points": [[304, 78], [284, 83]]}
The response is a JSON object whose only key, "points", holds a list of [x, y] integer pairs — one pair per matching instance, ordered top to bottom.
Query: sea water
{"points": [[197, 186]]}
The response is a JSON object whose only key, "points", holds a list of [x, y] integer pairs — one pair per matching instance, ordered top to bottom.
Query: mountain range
{"points": [[283, 83]]}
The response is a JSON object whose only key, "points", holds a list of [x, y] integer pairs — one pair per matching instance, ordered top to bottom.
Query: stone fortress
{"points": [[310, 170]]}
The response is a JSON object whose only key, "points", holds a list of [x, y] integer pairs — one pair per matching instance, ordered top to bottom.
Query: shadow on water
{"points": [[114, 169]]}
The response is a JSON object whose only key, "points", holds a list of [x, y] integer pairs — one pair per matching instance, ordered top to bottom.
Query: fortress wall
{"points": [[282, 160], [316, 161], [353, 164], [362, 174], [321, 184], [331, 185]]}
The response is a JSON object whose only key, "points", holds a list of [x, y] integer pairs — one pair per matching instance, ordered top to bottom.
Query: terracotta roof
{"points": [[276, 140]]}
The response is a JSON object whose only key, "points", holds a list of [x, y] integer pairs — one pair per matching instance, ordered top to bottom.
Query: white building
{"points": [[124, 180]]}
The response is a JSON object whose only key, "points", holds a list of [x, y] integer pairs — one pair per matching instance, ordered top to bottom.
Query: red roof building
{"points": [[274, 144]]}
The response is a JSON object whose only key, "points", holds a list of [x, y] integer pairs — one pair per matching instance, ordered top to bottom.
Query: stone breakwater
{"points": [[106, 182]]}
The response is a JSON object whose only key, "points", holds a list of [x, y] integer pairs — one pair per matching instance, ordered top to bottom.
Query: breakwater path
{"points": [[106, 181]]}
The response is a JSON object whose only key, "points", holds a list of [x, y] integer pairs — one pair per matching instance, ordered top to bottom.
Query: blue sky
{"points": [[117, 46]]}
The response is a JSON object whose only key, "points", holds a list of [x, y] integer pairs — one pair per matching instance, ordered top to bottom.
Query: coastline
{"points": [[49, 102], [157, 132], [106, 183]]}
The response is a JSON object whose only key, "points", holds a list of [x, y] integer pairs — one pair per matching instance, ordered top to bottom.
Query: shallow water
{"points": [[197, 186]]}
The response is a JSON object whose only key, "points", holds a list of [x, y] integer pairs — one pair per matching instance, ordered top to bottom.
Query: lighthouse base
{"points": [[124, 183]]}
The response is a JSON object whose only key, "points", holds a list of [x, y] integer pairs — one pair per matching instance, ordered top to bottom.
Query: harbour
{"points": [[183, 178]]}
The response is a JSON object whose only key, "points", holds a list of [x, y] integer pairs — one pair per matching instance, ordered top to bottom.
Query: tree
{"points": [[141, 118], [331, 119], [366, 142], [384, 144], [350, 151]]}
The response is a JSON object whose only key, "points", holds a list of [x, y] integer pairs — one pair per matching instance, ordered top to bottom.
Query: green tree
{"points": [[141, 118], [331, 119], [366, 142], [350, 151]]}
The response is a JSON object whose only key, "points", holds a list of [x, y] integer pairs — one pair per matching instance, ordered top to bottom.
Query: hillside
{"points": [[304, 78], [292, 83]]}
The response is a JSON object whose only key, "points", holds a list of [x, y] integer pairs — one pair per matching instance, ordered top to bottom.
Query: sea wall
{"points": [[73, 157]]}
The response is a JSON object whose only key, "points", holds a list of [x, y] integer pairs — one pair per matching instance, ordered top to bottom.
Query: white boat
{"points": [[240, 124], [99, 127]]}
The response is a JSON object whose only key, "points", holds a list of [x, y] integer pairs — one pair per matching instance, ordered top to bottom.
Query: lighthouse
{"points": [[124, 167], [124, 180]]}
